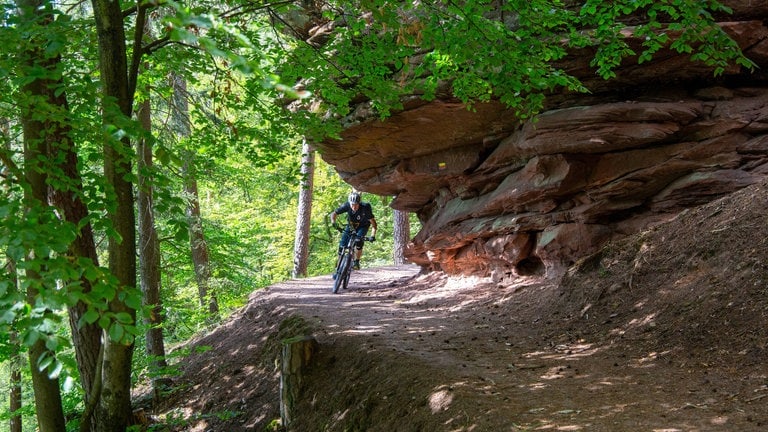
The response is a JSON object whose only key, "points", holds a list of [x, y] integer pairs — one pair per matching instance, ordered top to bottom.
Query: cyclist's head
{"points": [[354, 198]]}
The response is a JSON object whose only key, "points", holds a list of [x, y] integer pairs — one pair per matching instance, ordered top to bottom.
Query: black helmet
{"points": [[354, 198]]}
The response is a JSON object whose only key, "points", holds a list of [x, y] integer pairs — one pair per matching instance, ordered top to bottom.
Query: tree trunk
{"points": [[304, 214], [402, 235], [198, 246], [149, 253], [86, 338], [298, 354], [16, 362], [15, 392], [114, 410], [50, 414]]}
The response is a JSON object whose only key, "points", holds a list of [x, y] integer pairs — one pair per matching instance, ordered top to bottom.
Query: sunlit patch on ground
{"points": [[440, 400]]}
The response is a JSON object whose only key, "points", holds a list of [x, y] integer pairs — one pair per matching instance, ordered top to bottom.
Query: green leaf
{"points": [[133, 301], [89, 317], [124, 318], [104, 321], [116, 332], [31, 337], [51, 343], [44, 361], [54, 370]]}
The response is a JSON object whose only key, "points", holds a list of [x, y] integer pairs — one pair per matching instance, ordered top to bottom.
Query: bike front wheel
{"points": [[342, 272], [348, 272]]}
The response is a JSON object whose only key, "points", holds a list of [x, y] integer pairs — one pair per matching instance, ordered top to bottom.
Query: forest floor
{"points": [[664, 331]]}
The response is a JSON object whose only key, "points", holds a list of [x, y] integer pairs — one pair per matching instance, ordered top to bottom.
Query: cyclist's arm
{"points": [[338, 211], [374, 227]]}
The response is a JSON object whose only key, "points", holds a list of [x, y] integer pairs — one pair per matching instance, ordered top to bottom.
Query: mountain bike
{"points": [[344, 263]]}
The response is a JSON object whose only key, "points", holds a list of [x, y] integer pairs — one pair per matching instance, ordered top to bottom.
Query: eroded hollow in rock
{"points": [[530, 266]]}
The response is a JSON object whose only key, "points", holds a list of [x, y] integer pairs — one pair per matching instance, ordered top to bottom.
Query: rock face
{"points": [[500, 198]]}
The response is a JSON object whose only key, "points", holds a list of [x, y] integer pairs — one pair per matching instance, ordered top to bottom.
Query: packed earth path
{"points": [[661, 332]]}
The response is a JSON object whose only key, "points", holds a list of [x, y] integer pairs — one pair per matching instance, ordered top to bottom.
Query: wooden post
{"points": [[297, 354]]}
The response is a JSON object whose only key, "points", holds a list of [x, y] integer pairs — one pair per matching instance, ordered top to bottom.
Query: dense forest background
{"points": [[151, 157], [249, 217]]}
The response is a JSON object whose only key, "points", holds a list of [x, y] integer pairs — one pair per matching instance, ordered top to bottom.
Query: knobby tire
{"points": [[342, 272], [348, 272]]}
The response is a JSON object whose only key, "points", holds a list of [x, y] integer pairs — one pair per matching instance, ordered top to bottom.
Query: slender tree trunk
{"points": [[304, 215], [402, 235], [198, 246], [149, 252], [86, 338], [16, 362], [15, 392], [114, 410], [50, 414]]}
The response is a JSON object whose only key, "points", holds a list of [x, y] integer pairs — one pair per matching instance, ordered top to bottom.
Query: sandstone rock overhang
{"points": [[499, 197]]}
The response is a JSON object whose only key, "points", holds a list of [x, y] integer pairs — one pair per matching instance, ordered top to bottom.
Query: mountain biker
{"points": [[360, 217]]}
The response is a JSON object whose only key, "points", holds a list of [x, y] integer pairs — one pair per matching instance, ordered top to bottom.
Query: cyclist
{"points": [[360, 217]]}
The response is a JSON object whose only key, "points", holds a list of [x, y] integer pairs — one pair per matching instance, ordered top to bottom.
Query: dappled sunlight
{"points": [[463, 282], [648, 320], [642, 322], [363, 330], [573, 351], [648, 359], [554, 372], [564, 380], [598, 385], [537, 386], [440, 400], [558, 421]]}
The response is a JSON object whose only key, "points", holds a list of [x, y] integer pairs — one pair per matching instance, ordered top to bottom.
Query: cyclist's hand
{"points": [[371, 239]]}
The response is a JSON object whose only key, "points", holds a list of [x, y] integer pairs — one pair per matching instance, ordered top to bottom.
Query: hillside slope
{"points": [[664, 331]]}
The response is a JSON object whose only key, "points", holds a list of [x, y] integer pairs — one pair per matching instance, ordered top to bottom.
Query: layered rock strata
{"points": [[500, 198]]}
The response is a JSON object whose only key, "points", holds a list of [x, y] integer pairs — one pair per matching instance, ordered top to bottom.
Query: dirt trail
{"points": [[665, 331]]}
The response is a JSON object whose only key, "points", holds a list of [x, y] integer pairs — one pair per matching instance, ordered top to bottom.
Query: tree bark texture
{"points": [[304, 214], [402, 235], [198, 246], [149, 251], [87, 338], [297, 354], [16, 363], [14, 394], [48, 407], [114, 410], [50, 414]]}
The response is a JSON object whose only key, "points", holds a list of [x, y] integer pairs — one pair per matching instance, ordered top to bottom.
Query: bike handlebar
{"points": [[339, 228]]}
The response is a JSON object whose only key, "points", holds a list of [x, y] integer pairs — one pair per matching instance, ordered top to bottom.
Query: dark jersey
{"points": [[360, 218]]}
